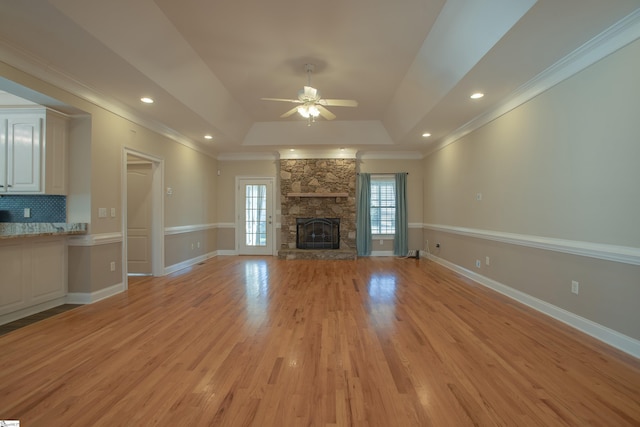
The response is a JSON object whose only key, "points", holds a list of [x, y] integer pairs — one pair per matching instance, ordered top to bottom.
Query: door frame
{"points": [[238, 211], [157, 213]]}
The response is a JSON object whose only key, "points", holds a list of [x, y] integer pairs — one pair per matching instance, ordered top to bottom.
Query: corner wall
{"points": [[96, 167], [542, 185]]}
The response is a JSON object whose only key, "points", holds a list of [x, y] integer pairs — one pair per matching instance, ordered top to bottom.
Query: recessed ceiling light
{"points": [[477, 95], [146, 100], [426, 135], [208, 137], [292, 149], [342, 149]]}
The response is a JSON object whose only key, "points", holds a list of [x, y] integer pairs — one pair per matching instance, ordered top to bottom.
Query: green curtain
{"points": [[363, 215], [401, 242]]}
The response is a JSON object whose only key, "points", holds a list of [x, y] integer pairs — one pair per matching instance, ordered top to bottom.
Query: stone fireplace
{"points": [[318, 188]]}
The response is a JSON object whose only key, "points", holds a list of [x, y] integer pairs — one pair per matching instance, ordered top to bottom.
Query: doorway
{"points": [[139, 215], [142, 215], [255, 228]]}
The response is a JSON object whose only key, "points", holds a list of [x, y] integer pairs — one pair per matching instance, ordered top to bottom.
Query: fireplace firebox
{"points": [[318, 233]]}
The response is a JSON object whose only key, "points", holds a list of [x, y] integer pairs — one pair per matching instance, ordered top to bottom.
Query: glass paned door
{"points": [[256, 216], [255, 221]]}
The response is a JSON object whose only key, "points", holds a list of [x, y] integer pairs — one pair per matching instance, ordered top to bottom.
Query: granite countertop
{"points": [[9, 230]]}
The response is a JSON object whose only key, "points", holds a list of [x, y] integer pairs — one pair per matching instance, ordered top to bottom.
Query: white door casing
{"points": [[157, 211], [255, 216]]}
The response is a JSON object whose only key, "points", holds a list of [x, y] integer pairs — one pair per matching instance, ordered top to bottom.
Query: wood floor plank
{"points": [[249, 341]]}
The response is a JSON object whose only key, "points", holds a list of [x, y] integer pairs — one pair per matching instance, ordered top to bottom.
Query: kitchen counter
{"points": [[10, 230]]}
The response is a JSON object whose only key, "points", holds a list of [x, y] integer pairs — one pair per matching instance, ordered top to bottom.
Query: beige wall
{"points": [[96, 165], [565, 166], [229, 170], [227, 239], [187, 246], [89, 267]]}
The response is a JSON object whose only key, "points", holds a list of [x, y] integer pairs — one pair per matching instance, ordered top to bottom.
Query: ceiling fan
{"points": [[311, 103]]}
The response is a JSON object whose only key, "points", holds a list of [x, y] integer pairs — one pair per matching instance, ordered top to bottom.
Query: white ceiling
{"points": [[410, 64]]}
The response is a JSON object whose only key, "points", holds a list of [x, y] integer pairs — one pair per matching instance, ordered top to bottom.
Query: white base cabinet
{"points": [[34, 272]]}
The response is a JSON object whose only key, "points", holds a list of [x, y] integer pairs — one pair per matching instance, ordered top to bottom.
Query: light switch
{"points": [[27, 212], [102, 212], [113, 212]]}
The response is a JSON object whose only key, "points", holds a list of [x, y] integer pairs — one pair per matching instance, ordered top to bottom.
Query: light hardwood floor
{"points": [[241, 341]]}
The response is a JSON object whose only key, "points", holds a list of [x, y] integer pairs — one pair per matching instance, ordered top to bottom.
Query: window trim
{"points": [[389, 179]]}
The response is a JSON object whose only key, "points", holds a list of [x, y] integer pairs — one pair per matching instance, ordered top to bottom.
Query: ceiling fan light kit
{"points": [[313, 105], [308, 111]]}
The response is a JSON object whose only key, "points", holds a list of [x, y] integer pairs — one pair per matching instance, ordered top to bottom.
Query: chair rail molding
{"points": [[95, 239], [622, 254]]}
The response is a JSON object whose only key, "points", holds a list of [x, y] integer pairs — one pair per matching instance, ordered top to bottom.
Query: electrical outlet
{"points": [[478, 196], [27, 212], [113, 212], [198, 244], [487, 261], [478, 263], [113, 266], [575, 287]]}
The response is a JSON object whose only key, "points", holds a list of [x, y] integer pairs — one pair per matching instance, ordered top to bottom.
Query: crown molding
{"points": [[617, 36], [35, 67], [322, 153], [391, 155], [247, 156]]}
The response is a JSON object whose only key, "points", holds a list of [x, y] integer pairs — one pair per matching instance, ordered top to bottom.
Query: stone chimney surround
{"points": [[318, 188]]}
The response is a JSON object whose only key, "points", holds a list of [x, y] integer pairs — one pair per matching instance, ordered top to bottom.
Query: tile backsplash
{"points": [[43, 208]]}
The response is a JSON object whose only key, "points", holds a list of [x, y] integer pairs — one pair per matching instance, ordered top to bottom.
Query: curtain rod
{"points": [[388, 173]]}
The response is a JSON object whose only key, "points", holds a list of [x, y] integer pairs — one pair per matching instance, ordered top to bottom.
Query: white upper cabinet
{"points": [[33, 152]]}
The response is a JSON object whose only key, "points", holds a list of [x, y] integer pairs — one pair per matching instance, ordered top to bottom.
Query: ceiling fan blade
{"points": [[295, 101], [339, 102], [289, 113], [325, 113]]}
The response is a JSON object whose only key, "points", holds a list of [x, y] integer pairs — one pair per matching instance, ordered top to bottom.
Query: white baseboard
{"points": [[227, 252], [381, 253], [188, 263], [89, 298], [28, 311], [609, 336]]}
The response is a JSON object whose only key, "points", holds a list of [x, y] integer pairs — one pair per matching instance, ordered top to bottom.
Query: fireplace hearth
{"points": [[318, 233]]}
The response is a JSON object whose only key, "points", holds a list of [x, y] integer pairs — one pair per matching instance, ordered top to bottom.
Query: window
{"points": [[383, 205]]}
